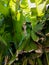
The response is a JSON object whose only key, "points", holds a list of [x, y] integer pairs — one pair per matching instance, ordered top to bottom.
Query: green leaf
{"points": [[32, 1], [48, 2], [23, 4], [4, 8], [18, 16], [34, 20], [38, 27], [47, 27], [34, 36], [2, 40], [23, 43], [30, 46], [47, 58], [12, 59], [24, 62], [39, 62]]}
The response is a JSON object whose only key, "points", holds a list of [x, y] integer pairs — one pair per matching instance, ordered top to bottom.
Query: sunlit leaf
{"points": [[23, 4], [12, 5], [40, 6], [18, 16]]}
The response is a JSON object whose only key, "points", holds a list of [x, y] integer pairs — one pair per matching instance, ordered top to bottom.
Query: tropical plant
{"points": [[24, 32]]}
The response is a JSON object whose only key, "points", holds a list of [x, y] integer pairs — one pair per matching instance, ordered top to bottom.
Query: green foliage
{"points": [[24, 32]]}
